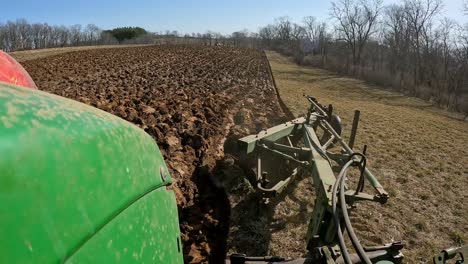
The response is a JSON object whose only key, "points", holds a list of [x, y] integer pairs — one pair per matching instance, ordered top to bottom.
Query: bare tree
{"points": [[419, 15], [356, 23], [284, 28], [23, 29], [312, 29], [297, 32], [92, 33], [445, 33], [45, 34], [75, 34], [267, 34], [316, 34], [36, 35], [12, 36], [54, 36], [64, 36], [396, 38], [324, 39], [3, 40], [295, 45], [460, 55]]}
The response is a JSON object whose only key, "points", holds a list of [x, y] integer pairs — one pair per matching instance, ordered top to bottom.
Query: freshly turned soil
{"points": [[195, 101]]}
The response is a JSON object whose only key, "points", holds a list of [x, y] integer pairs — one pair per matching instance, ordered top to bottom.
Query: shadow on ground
{"points": [[252, 222]]}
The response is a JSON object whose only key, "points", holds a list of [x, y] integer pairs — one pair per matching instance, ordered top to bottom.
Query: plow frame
{"points": [[313, 156]]}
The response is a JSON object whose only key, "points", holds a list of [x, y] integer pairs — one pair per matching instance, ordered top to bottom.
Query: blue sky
{"points": [[184, 16]]}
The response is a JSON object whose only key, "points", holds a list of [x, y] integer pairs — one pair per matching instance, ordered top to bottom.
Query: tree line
{"points": [[22, 35], [408, 46]]}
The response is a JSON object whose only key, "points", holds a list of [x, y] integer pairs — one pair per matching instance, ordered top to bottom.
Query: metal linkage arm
{"points": [[383, 195]]}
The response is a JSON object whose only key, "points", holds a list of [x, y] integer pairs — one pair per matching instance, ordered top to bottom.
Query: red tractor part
{"points": [[12, 72]]}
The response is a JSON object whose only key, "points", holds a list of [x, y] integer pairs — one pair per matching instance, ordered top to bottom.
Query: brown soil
{"points": [[26, 55], [190, 99]]}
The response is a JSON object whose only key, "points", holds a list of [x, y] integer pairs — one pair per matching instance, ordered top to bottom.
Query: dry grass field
{"points": [[419, 154]]}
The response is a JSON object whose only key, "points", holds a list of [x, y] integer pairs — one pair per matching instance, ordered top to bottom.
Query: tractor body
{"points": [[80, 185]]}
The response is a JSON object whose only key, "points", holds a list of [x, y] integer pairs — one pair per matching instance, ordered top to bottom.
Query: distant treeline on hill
{"points": [[22, 35]]}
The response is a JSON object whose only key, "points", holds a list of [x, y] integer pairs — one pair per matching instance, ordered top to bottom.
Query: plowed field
{"points": [[190, 99]]}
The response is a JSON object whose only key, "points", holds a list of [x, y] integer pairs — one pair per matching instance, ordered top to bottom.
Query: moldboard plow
{"points": [[304, 145]]}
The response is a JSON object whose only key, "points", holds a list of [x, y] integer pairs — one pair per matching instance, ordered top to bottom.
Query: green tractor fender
{"points": [[80, 185]]}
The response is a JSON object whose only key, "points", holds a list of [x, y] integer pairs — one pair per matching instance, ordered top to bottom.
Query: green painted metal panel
{"points": [[248, 143], [66, 170], [139, 234]]}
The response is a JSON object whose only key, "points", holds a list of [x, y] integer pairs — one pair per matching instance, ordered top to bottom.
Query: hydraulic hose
{"points": [[336, 218], [349, 228]]}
